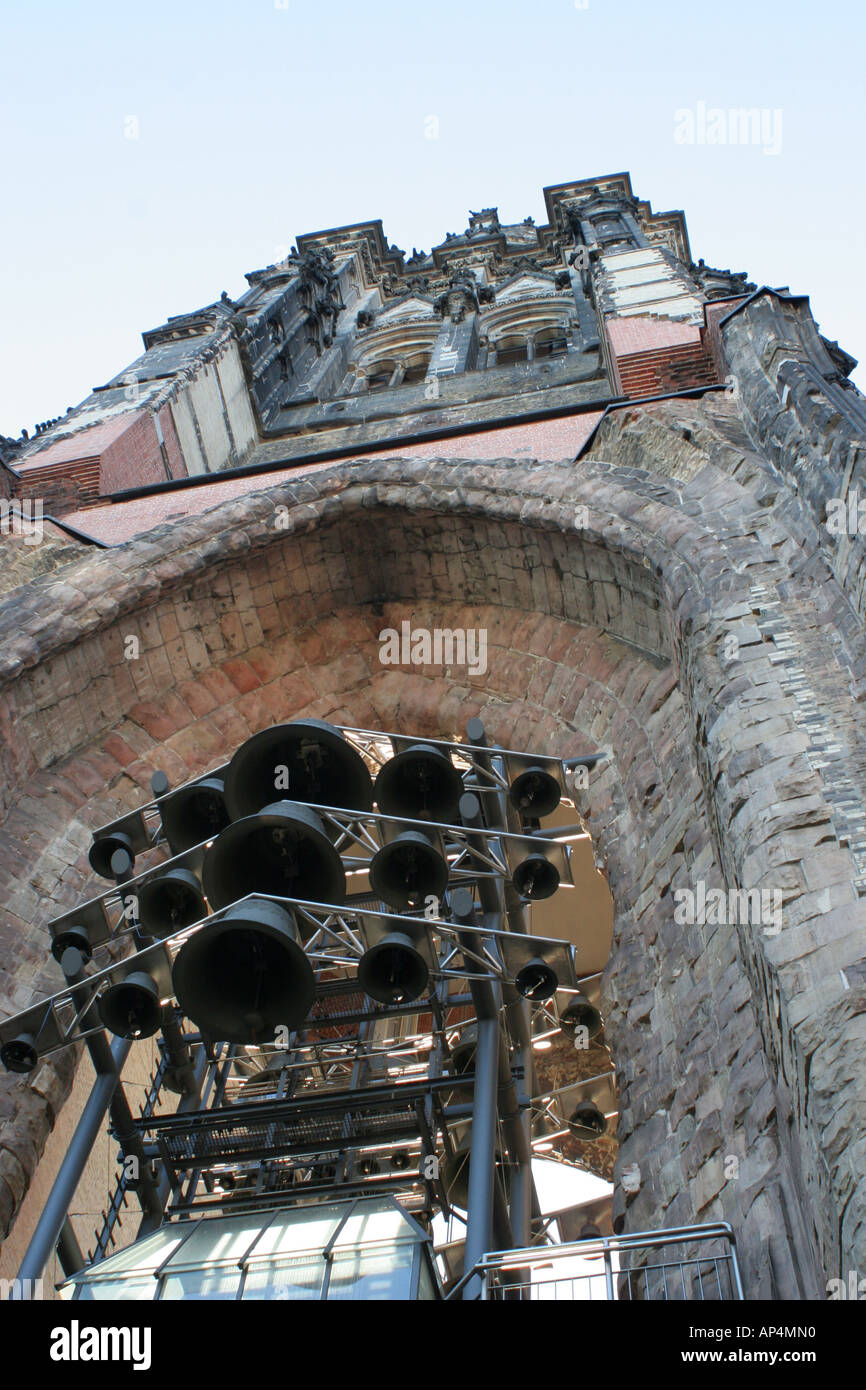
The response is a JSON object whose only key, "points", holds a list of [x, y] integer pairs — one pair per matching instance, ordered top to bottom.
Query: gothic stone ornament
{"points": [[483, 223], [720, 284], [320, 292], [463, 295]]}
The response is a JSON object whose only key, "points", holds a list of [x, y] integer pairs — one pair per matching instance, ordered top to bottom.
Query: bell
{"points": [[309, 761], [421, 783], [535, 793], [194, 814], [102, 849], [281, 851], [408, 870], [536, 878], [170, 902], [71, 936], [393, 971], [244, 975], [536, 980], [131, 1008], [580, 1013], [463, 1051], [20, 1054], [462, 1061], [268, 1079], [587, 1121], [400, 1161], [368, 1167], [455, 1170]]}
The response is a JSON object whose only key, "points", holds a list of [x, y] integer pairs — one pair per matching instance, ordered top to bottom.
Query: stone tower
{"points": [[641, 477]]}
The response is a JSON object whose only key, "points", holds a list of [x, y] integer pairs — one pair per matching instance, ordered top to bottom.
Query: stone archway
{"points": [[607, 594]]}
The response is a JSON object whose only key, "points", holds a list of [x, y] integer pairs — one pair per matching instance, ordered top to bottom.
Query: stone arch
{"points": [[400, 347], [606, 600]]}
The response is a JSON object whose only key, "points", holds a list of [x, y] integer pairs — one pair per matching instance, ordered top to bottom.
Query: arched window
{"points": [[552, 342], [510, 350], [416, 370], [380, 375]]}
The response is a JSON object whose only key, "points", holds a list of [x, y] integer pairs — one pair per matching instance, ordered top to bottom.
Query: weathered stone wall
{"points": [[608, 591], [781, 748]]}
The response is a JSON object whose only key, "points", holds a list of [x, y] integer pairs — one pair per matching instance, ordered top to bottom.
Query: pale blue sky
{"points": [[261, 119]]}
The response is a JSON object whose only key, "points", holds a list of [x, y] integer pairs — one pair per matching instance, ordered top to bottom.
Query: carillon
{"points": [[302, 930]]}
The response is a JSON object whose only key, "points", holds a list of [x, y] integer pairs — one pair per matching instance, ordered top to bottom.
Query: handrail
{"points": [[605, 1246]]}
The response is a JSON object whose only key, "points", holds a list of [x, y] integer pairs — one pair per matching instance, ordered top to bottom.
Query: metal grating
{"points": [[282, 1128]]}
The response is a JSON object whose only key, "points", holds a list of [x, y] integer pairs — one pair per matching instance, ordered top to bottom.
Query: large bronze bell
{"points": [[308, 761], [420, 783], [535, 793], [194, 813], [102, 850], [282, 852], [409, 869], [536, 878], [170, 902], [72, 936], [394, 970], [244, 975], [537, 980], [131, 1008], [580, 1013], [463, 1051], [20, 1054], [463, 1060], [587, 1122], [455, 1170]]}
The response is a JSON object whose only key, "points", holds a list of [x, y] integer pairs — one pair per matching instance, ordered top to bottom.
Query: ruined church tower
{"points": [[630, 489]]}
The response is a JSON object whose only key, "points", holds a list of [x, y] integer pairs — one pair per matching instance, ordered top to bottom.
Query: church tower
{"points": [[432, 746]]}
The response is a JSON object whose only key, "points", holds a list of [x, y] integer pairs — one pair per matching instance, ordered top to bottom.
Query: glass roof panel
{"points": [[371, 1223], [218, 1240], [226, 1241], [144, 1256]]}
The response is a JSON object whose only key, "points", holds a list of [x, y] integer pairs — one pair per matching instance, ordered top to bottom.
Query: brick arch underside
{"points": [[584, 649]]}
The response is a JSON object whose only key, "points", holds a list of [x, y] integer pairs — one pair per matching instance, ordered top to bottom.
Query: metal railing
{"points": [[686, 1263]]}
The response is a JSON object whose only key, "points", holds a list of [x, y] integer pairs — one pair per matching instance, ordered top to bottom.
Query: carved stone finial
{"points": [[483, 223], [720, 284], [320, 292], [463, 295]]}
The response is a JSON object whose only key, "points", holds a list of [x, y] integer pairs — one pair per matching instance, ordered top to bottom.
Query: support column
{"points": [[482, 1161], [51, 1222]]}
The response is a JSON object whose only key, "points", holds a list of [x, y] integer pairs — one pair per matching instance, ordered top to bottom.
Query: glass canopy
{"points": [[366, 1249]]}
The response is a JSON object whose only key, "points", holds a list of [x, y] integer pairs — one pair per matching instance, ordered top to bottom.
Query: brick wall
{"points": [[658, 356], [666, 370], [133, 458], [74, 473], [64, 487]]}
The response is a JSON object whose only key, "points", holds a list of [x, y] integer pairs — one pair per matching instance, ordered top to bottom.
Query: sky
{"points": [[152, 154]]}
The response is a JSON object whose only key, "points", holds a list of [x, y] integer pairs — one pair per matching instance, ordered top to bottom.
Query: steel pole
{"points": [[72, 965], [482, 1158], [50, 1223]]}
